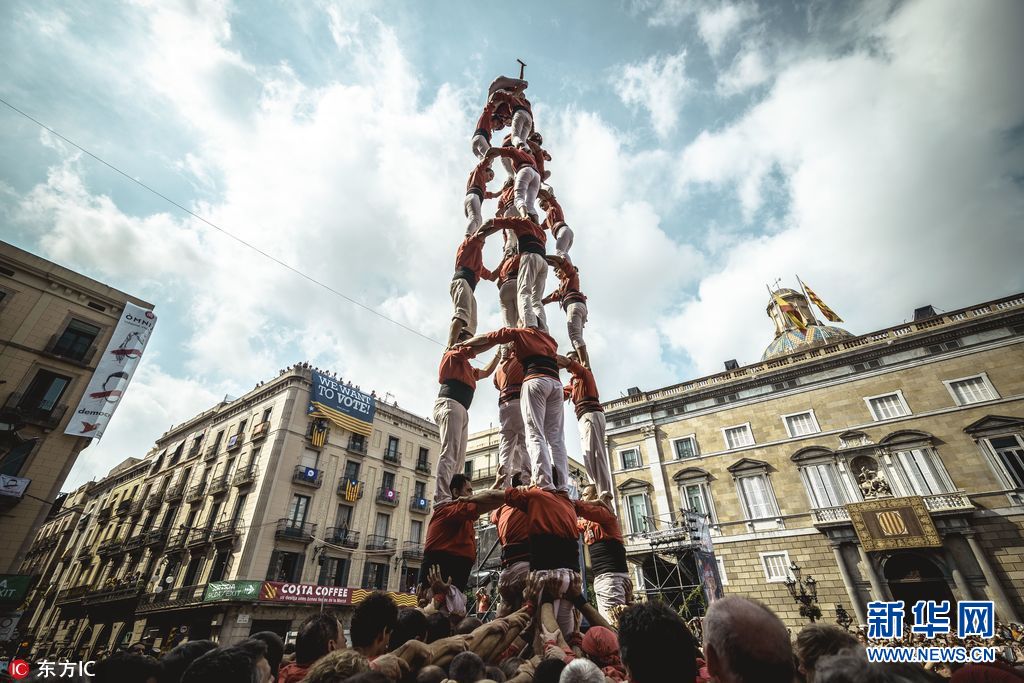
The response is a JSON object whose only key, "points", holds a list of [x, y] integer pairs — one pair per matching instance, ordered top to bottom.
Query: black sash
{"points": [[543, 365], [457, 391], [554, 552]]}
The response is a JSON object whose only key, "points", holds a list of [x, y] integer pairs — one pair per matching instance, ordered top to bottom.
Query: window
{"points": [[75, 341], [971, 389], [44, 392], [887, 406], [266, 414], [799, 424], [738, 436], [357, 442], [685, 447], [392, 450], [1010, 452], [309, 458], [424, 458], [630, 458], [14, 460], [468, 469], [352, 471], [921, 472], [387, 480], [822, 485], [419, 490], [695, 498], [758, 501], [299, 508], [636, 509], [236, 516], [344, 517], [380, 528], [416, 531], [220, 565], [285, 566], [776, 566], [721, 570], [334, 571], [375, 576]]}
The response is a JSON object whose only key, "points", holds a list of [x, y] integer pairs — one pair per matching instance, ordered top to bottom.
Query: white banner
{"points": [[113, 373]]}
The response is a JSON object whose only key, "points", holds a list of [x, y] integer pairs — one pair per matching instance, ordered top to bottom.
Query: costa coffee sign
{"points": [[308, 593]]}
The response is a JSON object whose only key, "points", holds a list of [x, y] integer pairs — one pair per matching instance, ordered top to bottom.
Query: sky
{"points": [[701, 150]]}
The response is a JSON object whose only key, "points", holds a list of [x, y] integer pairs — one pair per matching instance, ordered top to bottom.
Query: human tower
{"points": [[538, 525]]}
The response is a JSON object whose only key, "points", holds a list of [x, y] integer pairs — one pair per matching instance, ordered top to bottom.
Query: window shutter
{"points": [[299, 564], [275, 565], [345, 566], [366, 575], [384, 576]]}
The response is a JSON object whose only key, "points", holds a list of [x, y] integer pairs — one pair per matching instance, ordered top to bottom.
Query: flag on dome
{"points": [[825, 310], [790, 311]]}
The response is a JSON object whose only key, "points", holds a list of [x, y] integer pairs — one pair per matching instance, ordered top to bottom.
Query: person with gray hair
{"points": [[744, 642], [581, 671]]}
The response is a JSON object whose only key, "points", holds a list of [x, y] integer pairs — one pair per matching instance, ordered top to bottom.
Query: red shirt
{"points": [[511, 101], [485, 124], [518, 157], [538, 157], [478, 178], [505, 199], [553, 217], [522, 226], [471, 256], [509, 269], [527, 341], [455, 365], [508, 378], [582, 389], [546, 512], [597, 522], [513, 525], [451, 529]]}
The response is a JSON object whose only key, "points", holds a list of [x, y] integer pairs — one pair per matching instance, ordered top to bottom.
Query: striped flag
{"points": [[825, 310], [790, 311], [318, 434]]}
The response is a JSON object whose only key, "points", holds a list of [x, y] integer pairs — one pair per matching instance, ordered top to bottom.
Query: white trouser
{"points": [[522, 126], [480, 145], [526, 189], [471, 206], [563, 239], [533, 273], [507, 298], [464, 303], [576, 316], [541, 402], [452, 421], [512, 457], [595, 457], [511, 582], [611, 590], [563, 608]]}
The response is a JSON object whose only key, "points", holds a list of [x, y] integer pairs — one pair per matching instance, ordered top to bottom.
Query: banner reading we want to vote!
{"points": [[343, 405]]}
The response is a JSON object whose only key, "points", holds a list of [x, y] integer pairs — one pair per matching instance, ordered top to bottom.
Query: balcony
{"points": [[56, 349], [14, 411], [260, 430], [235, 442], [356, 446], [194, 450], [211, 452], [392, 458], [423, 466], [485, 474], [245, 476], [310, 476], [219, 484], [350, 489], [175, 491], [195, 493], [387, 496], [154, 500], [940, 503], [419, 505], [137, 506], [124, 507], [103, 515], [288, 529], [225, 530], [343, 536], [155, 537], [198, 537], [176, 541], [134, 543], [375, 543], [111, 547], [412, 551], [84, 553], [128, 590], [70, 595], [173, 598]]}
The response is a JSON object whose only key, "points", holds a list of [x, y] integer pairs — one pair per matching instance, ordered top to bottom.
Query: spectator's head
{"points": [[461, 486], [589, 492], [372, 624], [412, 625], [468, 625], [438, 626], [318, 634], [652, 640], [818, 640], [744, 641], [602, 645], [257, 649], [275, 649], [177, 660], [224, 665], [337, 666], [510, 666], [127, 667], [466, 667], [847, 667], [549, 671], [581, 671], [493, 673], [430, 674], [367, 677]]}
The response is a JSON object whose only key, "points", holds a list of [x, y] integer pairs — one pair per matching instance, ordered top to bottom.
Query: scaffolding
{"points": [[670, 570]]}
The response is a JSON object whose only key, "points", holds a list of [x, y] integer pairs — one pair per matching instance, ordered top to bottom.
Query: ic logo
{"points": [[18, 669]]}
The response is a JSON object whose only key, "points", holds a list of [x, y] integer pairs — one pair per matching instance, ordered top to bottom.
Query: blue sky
{"points": [[701, 149]]}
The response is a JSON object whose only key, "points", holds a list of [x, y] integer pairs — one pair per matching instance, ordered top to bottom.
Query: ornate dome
{"points": [[793, 340]]}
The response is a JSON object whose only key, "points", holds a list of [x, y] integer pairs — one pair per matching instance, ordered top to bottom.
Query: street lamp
{"points": [[804, 592], [843, 617]]}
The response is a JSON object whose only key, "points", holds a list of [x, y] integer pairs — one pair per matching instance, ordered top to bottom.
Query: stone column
{"points": [[650, 433], [957, 574], [851, 590], [878, 590], [1003, 604]]}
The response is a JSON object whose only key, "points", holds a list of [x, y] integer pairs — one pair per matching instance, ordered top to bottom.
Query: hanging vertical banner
{"points": [[113, 373], [342, 404]]}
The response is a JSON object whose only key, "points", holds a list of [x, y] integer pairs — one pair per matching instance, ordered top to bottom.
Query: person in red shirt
{"points": [[521, 110], [495, 116], [540, 155], [527, 183], [476, 192], [554, 220], [469, 268], [533, 269], [508, 285], [572, 301], [508, 380], [582, 390], [540, 400], [451, 413], [511, 523], [602, 534], [451, 544]]}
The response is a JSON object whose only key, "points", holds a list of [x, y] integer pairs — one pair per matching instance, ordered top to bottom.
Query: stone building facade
{"points": [[54, 325], [776, 452], [250, 493]]}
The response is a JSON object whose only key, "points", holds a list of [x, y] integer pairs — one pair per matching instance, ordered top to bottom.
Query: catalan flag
{"points": [[790, 311], [831, 315], [318, 409], [318, 433], [353, 490]]}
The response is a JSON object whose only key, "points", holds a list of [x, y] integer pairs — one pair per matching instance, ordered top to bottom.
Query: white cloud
{"points": [[667, 12], [718, 24], [749, 69], [658, 85], [898, 172]]}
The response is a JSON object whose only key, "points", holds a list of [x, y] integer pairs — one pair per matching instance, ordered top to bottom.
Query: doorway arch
{"points": [[913, 577]]}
